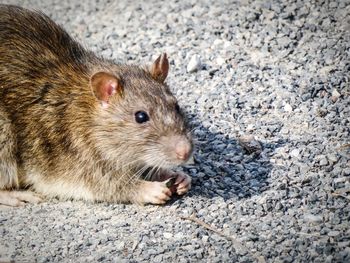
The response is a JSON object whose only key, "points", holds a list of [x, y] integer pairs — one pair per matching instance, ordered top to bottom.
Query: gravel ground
{"points": [[277, 73]]}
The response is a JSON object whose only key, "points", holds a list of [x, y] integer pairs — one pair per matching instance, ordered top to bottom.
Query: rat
{"points": [[76, 126]]}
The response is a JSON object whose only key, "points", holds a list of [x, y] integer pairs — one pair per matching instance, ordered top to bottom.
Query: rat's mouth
{"points": [[161, 160], [158, 163]]}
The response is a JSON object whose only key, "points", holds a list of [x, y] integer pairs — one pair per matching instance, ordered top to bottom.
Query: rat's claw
{"points": [[183, 183]]}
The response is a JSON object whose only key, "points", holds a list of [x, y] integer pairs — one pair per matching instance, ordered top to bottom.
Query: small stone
{"points": [[333, 4], [283, 41], [217, 42], [227, 44], [220, 61], [194, 64], [335, 95], [256, 103], [288, 108], [250, 127], [249, 144], [294, 153], [332, 158], [323, 161], [346, 171], [340, 180], [313, 219], [333, 233], [167, 235], [179, 235], [205, 239], [119, 245], [158, 258]]}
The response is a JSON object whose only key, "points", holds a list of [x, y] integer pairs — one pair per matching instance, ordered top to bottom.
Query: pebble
{"points": [[220, 61], [194, 64], [335, 95], [288, 108], [250, 144], [295, 153], [332, 158], [323, 161], [313, 219], [167, 235], [179, 235], [205, 239], [119, 245]]}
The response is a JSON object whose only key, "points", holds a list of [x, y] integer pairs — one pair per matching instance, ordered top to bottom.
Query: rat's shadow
{"points": [[223, 168]]}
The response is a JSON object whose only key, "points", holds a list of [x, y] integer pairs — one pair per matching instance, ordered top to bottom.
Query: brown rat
{"points": [[76, 126]]}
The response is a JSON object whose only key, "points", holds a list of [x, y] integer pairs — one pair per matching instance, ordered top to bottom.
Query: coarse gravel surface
{"points": [[275, 72]]}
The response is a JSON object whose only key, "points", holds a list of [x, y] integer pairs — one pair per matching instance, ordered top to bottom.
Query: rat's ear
{"points": [[159, 69], [104, 85]]}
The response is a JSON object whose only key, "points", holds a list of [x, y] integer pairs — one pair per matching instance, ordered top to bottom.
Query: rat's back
{"points": [[33, 38], [34, 49]]}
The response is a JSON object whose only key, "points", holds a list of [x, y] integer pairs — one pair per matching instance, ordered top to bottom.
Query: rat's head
{"points": [[138, 119]]}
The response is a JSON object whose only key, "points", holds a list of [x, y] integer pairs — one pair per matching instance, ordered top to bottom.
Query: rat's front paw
{"points": [[182, 183], [154, 193]]}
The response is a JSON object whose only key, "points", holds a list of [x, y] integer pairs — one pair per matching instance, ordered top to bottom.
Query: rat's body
{"points": [[74, 125]]}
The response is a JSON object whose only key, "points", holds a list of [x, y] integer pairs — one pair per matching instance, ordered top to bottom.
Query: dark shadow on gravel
{"points": [[224, 169]]}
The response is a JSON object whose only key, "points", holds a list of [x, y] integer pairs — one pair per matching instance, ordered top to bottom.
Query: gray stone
{"points": [[194, 64], [288, 108], [295, 153], [323, 161], [313, 219]]}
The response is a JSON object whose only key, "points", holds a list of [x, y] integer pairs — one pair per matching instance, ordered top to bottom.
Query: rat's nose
{"points": [[183, 150]]}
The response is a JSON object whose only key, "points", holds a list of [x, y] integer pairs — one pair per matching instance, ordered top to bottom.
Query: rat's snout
{"points": [[177, 148], [183, 150]]}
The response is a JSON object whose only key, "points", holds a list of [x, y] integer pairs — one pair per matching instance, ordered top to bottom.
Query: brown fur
{"points": [[56, 137]]}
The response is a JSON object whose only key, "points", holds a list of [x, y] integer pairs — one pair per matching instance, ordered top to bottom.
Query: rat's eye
{"points": [[177, 108], [141, 117]]}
